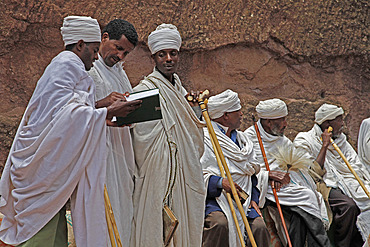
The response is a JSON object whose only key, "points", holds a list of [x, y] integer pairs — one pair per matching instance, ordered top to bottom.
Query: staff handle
{"points": [[348, 164], [226, 168], [272, 183], [111, 222]]}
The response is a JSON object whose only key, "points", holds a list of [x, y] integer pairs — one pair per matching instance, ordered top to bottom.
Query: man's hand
{"points": [[193, 97], [110, 99], [121, 108], [326, 136], [279, 179], [226, 186], [255, 206]]}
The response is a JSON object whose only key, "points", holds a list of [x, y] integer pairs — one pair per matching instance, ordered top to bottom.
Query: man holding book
{"points": [[119, 38], [167, 153]]}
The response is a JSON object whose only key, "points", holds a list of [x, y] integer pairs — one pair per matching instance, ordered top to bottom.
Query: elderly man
{"points": [[119, 38], [363, 143], [59, 150], [167, 153], [335, 181], [298, 197], [219, 227]]}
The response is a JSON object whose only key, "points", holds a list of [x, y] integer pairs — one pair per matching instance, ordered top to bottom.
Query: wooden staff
{"points": [[347, 163], [226, 168], [272, 182], [111, 222]]}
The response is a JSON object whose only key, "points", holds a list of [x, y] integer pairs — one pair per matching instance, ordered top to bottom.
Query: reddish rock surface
{"points": [[304, 52]]}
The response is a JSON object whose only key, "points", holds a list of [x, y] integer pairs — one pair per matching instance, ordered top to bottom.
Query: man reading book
{"points": [[167, 153]]}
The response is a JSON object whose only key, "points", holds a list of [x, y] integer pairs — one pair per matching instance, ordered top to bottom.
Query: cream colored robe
{"points": [[363, 143], [165, 149], [58, 152], [120, 153], [242, 164], [337, 173], [300, 192]]}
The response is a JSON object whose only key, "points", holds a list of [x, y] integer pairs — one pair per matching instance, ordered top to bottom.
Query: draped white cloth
{"points": [[77, 28], [165, 36], [227, 101], [271, 109], [363, 144], [164, 148], [58, 152], [120, 153], [242, 165], [337, 173], [300, 192]]}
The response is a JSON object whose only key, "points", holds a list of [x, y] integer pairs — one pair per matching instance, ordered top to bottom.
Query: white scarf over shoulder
{"points": [[363, 143], [165, 148], [58, 153], [120, 153], [242, 165], [338, 175], [300, 192]]}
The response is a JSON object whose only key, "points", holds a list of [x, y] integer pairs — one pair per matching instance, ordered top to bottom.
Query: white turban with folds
{"points": [[77, 28], [165, 36], [226, 101], [271, 109], [327, 112]]}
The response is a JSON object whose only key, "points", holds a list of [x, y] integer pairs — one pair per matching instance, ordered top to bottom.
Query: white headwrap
{"points": [[77, 28], [165, 36], [226, 101], [271, 109], [327, 112]]}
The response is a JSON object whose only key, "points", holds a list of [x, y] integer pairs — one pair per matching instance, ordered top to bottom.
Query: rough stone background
{"points": [[305, 52]]}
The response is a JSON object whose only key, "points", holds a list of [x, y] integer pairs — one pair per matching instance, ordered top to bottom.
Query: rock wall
{"points": [[304, 52]]}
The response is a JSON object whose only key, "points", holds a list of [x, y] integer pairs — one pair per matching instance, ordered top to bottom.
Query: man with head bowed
{"points": [[59, 150], [167, 153], [335, 181], [295, 189]]}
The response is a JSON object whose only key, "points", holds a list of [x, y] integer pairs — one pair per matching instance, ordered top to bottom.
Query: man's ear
{"points": [[105, 37], [80, 45]]}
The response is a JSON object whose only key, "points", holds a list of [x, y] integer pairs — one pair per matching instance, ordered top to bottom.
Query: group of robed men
{"points": [[68, 147]]}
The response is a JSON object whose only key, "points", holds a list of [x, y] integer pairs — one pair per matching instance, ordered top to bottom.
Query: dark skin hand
{"points": [[193, 96], [107, 101], [121, 108], [325, 144], [279, 179]]}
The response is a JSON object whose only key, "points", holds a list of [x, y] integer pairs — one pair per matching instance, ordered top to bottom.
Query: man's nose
{"points": [[121, 55], [168, 57]]}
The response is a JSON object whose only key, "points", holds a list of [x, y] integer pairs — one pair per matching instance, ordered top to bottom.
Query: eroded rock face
{"points": [[304, 52]]}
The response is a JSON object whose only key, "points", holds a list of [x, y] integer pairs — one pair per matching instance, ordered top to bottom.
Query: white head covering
{"points": [[77, 28], [165, 36], [226, 101], [271, 109], [327, 112]]}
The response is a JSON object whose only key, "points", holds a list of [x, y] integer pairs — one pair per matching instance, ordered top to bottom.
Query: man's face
{"points": [[112, 51], [89, 54], [166, 61], [233, 119], [337, 125], [277, 126]]}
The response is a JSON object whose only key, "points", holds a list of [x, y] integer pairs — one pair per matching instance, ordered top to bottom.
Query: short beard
{"points": [[276, 132]]}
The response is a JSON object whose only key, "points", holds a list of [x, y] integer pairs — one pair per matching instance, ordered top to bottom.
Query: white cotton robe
{"points": [[177, 139], [363, 143], [58, 152], [120, 153], [242, 164], [337, 173], [300, 192]]}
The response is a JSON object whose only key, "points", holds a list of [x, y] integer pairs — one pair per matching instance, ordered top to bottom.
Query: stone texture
{"points": [[304, 52]]}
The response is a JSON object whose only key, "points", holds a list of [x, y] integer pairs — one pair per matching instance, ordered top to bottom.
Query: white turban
{"points": [[77, 28], [165, 36], [226, 101], [271, 109], [327, 112]]}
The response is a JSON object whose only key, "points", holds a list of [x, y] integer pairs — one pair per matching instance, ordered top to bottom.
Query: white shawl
{"points": [[177, 139], [363, 143], [58, 152], [120, 153], [242, 165], [338, 174], [300, 192]]}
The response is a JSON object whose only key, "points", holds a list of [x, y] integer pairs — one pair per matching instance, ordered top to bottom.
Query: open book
{"points": [[150, 108]]}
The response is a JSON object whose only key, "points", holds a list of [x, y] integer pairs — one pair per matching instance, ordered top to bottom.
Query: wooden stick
{"points": [[348, 164], [226, 168], [272, 183], [228, 196], [112, 221], [110, 227]]}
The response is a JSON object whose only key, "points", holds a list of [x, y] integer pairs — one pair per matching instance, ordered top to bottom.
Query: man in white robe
{"points": [[119, 38], [225, 111], [363, 143], [59, 150], [167, 153], [335, 181], [297, 197]]}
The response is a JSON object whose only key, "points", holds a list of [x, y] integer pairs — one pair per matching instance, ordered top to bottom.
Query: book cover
{"points": [[150, 108], [170, 223]]}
